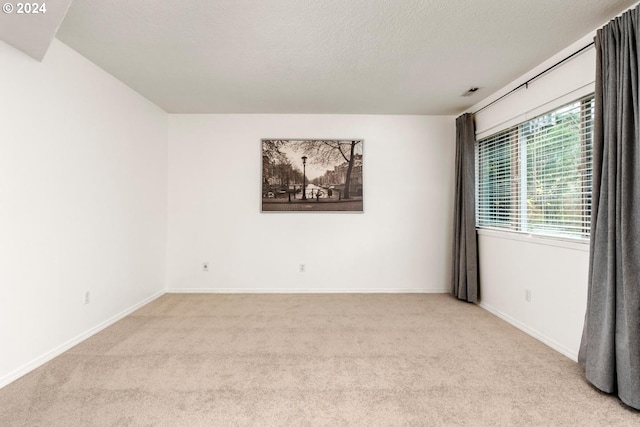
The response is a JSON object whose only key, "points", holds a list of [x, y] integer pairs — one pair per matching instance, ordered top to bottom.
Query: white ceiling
{"points": [[32, 33], [325, 56]]}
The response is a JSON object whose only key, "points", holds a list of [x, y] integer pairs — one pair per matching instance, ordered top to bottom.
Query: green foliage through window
{"points": [[536, 177]]}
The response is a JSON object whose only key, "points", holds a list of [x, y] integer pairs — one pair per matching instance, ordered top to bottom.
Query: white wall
{"points": [[565, 84], [83, 178], [402, 242], [554, 271]]}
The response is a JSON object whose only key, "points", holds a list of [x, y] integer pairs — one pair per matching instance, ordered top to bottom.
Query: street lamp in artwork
{"points": [[304, 177]]}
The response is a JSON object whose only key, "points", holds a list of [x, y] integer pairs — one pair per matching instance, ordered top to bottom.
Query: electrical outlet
{"points": [[205, 266], [303, 268], [527, 295], [87, 297]]}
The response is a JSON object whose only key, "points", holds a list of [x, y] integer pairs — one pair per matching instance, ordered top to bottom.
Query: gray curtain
{"points": [[465, 247], [610, 347]]}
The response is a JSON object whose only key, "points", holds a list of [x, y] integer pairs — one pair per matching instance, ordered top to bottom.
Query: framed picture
{"points": [[312, 175]]}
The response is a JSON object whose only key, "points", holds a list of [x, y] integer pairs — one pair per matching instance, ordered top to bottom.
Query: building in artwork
{"points": [[338, 176]]}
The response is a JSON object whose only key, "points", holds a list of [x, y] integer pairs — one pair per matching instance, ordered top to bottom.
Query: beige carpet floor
{"points": [[280, 360]]}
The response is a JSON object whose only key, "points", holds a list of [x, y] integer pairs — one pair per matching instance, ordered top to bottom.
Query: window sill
{"points": [[560, 242]]}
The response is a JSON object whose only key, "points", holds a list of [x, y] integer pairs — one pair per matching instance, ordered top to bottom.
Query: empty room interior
{"points": [[319, 212]]}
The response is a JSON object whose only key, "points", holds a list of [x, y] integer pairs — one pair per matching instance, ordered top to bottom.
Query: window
{"points": [[536, 177]]}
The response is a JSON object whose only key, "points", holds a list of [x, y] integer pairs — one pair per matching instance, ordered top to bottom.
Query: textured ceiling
{"points": [[325, 56]]}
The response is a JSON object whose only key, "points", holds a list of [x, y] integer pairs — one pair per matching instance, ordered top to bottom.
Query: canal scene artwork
{"points": [[312, 175]]}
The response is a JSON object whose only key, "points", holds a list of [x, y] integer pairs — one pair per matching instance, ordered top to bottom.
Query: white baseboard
{"points": [[303, 291], [537, 335], [41, 360]]}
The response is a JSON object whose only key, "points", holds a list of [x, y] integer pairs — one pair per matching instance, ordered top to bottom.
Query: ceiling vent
{"points": [[471, 91]]}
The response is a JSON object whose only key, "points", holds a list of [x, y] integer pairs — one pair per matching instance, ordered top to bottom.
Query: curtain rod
{"points": [[526, 84]]}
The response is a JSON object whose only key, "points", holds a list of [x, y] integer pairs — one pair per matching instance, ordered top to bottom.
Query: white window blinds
{"points": [[536, 177]]}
